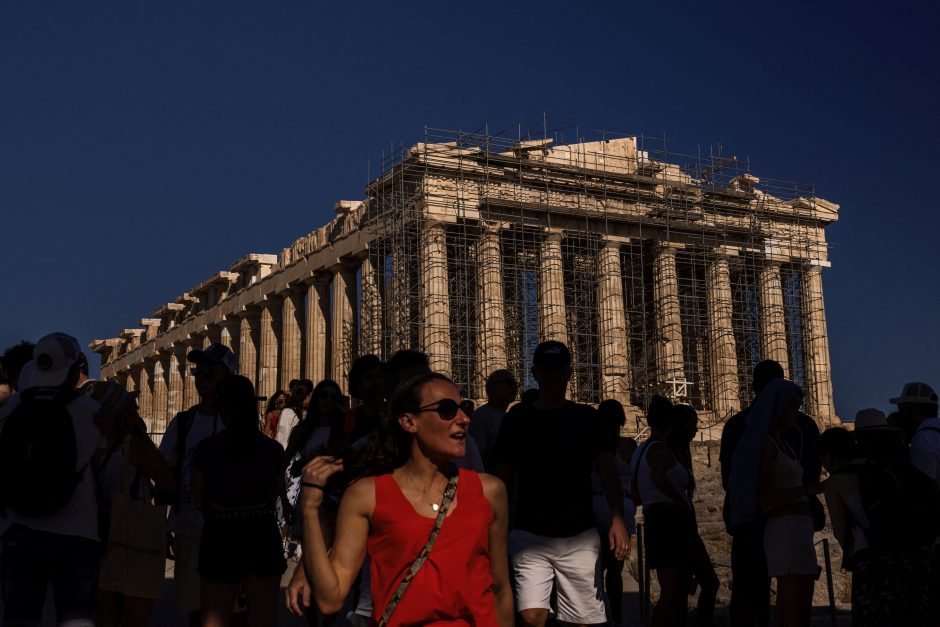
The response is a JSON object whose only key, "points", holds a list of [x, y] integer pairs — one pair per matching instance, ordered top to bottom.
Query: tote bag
{"points": [[134, 562]]}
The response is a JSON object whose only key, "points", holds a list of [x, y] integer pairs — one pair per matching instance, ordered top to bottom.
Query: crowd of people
{"points": [[401, 504]]}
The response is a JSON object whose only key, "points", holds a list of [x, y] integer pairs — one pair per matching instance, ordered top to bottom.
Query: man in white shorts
{"points": [[547, 450]]}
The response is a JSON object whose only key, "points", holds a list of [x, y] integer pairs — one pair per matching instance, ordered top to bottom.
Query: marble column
{"points": [[435, 298], [398, 301], [370, 315], [773, 318], [553, 323], [342, 324], [491, 329], [315, 330], [228, 333], [613, 341], [248, 342], [290, 349], [267, 353], [723, 357], [669, 359], [818, 372], [145, 387], [190, 396], [174, 400], [159, 420]]}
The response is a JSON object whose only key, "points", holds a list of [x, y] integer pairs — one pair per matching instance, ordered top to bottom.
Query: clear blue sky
{"points": [[146, 145]]}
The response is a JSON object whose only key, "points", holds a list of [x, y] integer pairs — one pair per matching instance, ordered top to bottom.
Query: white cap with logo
{"points": [[53, 358]]}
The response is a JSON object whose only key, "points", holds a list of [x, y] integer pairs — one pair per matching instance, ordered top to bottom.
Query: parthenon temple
{"points": [[663, 273]]}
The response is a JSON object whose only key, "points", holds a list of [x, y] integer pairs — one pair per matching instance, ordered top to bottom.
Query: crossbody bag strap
{"points": [[449, 491]]}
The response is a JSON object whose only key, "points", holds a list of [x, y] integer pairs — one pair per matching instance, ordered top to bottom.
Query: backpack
{"points": [[38, 452], [901, 503]]}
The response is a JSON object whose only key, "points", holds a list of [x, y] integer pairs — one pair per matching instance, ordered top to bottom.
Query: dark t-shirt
{"points": [[552, 453], [239, 469]]}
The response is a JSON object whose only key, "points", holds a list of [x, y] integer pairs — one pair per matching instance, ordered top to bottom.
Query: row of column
{"points": [[316, 329]]}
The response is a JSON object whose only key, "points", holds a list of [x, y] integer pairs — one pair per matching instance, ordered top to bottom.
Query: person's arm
{"points": [[168, 443], [503, 451], [145, 456], [922, 457], [610, 483], [495, 493], [836, 505], [331, 573], [297, 593]]}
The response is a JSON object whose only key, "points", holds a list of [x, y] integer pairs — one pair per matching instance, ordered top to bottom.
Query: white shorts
{"points": [[788, 544], [569, 563]]}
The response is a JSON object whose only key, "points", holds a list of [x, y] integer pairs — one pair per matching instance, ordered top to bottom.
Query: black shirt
{"points": [[551, 452]]}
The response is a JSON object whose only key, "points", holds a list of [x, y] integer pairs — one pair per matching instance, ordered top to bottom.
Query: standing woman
{"points": [[295, 410], [272, 412], [238, 475], [664, 486], [780, 496], [410, 498]]}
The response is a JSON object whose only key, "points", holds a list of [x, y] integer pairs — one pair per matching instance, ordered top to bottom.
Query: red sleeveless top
{"points": [[455, 585]]}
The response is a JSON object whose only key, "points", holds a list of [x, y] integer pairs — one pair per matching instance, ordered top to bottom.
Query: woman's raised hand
{"points": [[316, 473]]}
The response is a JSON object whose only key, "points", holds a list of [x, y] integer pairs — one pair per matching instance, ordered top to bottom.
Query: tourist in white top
{"points": [[295, 411]]}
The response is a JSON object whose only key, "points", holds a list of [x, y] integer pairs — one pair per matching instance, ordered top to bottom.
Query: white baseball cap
{"points": [[53, 358]]}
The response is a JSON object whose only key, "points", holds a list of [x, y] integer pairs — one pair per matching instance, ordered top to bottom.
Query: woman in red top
{"points": [[389, 514]]}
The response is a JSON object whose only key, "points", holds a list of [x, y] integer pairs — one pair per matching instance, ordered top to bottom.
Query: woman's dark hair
{"points": [[298, 394], [272, 402], [239, 404], [659, 414], [612, 418], [303, 430], [838, 443], [390, 446]]}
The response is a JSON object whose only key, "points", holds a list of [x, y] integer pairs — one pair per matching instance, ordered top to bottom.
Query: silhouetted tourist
{"points": [[13, 360], [84, 381], [366, 385], [501, 391], [529, 396], [295, 410], [272, 412], [612, 417], [917, 417], [178, 446], [547, 450], [125, 472], [238, 475], [766, 476], [662, 484], [397, 509], [49, 523], [750, 589]]}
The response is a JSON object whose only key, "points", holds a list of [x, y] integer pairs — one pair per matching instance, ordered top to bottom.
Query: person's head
{"points": [[13, 360], [54, 364], [403, 365], [211, 366], [551, 367], [765, 372], [367, 378], [291, 385], [501, 388], [300, 396], [783, 399], [277, 401], [326, 401], [917, 402], [238, 405], [118, 408], [429, 410], [659, 414], [612, 419], [685, 419], [874, 435], [835, 447]]}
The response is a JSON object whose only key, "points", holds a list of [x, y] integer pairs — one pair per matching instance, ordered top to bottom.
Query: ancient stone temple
{"points": [[663, 273]]}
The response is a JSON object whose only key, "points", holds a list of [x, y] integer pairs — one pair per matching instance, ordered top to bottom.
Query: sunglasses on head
{"points": [[447, 408]]}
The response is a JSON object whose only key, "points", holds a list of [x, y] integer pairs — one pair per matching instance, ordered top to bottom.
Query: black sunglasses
{"points": [[447, 408]]}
